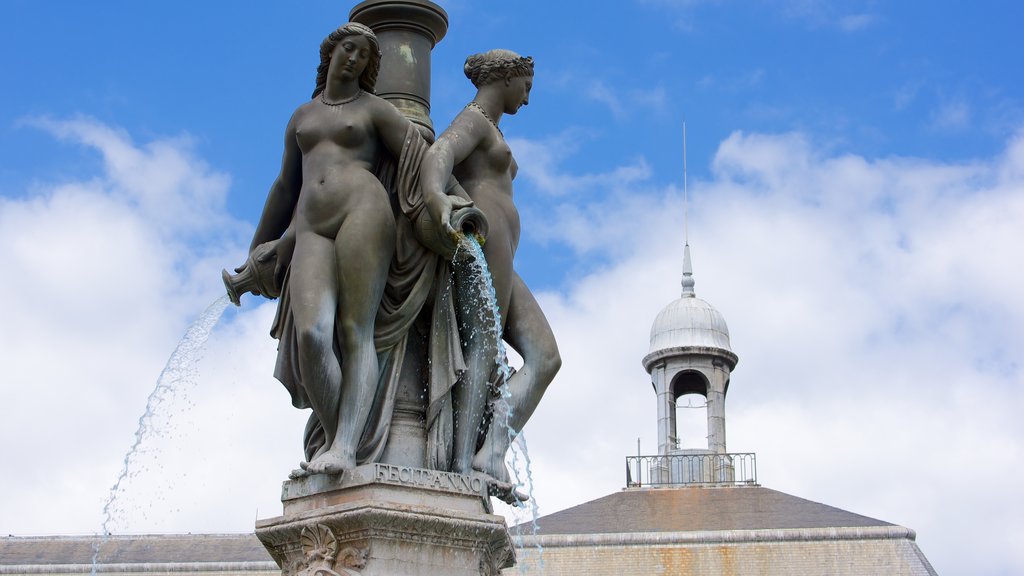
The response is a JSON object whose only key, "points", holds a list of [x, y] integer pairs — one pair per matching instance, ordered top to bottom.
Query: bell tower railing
{"points": [[692, 469]]}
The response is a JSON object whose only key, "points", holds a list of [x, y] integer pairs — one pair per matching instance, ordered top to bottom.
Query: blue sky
{"points": [[863, 77], [856, 176]]}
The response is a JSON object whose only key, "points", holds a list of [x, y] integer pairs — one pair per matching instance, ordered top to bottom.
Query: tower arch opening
{"points": [[689, 382], [689, 392], [691, 422]]}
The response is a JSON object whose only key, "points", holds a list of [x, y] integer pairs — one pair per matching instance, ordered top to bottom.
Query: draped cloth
{"points": [[415, 276]]}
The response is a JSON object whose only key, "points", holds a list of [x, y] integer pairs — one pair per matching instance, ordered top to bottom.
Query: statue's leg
{"points": [[363, 250], [313, 288], [477, 331], [528, 332], [471, 393]]}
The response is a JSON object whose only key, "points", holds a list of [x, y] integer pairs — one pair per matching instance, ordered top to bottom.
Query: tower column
{"points": [[716, 409], [666, 411]]}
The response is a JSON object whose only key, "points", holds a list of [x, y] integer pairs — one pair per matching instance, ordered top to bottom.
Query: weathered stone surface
{"points": [[387, 520]]}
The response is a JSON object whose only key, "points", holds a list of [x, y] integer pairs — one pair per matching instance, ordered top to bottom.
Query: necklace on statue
{"points": [[340, 102], [472, 104]]}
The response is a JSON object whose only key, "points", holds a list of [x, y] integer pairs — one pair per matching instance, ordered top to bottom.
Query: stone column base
{"points": [[381, 519]]}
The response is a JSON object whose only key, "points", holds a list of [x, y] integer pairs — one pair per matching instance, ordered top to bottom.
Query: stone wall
{"points": [[820, 552]]}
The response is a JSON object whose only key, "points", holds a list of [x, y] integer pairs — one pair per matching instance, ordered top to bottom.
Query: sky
{"points": [[855, 183]]}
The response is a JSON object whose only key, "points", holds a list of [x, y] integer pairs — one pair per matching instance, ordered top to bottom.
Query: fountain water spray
{"points": [[490, 320], [181, 368]]}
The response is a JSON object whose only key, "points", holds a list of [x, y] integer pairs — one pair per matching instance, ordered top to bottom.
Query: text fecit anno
{"points": [[428, 478]]}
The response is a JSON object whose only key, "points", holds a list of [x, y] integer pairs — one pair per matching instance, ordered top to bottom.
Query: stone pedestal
{"points": [[382, 519]]}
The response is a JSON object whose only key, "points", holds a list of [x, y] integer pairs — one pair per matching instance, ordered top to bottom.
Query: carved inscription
{"points": [[436, 479]]}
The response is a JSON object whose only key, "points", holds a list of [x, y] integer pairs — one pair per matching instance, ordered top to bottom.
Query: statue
{"points": [[473, 149], [328, 223], [357, 238], [362, 241]]}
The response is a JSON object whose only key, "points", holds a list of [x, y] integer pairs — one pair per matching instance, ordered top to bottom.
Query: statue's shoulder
{"points": [[377, 102], [304, 108], [381, 109], [468, 123]]}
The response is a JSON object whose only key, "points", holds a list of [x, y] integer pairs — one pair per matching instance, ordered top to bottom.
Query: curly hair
{"points": [[494, 65], [368, 79]]}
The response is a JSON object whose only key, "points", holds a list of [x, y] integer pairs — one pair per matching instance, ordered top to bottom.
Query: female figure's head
{"points": [[495, 65], [510, 72], [368, 78]]}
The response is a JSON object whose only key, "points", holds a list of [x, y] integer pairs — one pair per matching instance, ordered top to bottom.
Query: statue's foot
{"points": [[329, 462], [492, 464], [300, 472], [504, 491]]}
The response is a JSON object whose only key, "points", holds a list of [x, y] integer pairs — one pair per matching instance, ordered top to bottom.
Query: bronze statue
{"points": [[473, 149], [328, 221], [357, 238], [379, 329]]}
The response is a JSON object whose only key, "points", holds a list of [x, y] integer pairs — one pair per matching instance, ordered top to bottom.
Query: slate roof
{"points": [[693, 509], [748, 529], [133, 549]]}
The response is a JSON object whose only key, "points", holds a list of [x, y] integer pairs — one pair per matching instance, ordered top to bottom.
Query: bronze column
{"points": [[407, 30]]}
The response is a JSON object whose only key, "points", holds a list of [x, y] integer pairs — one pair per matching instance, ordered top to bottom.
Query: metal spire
{"points": [[686, 196], [687, 265], [687, 274]]}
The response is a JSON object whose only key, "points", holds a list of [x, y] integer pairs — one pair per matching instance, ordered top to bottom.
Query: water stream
{"points": [[489, 318], [181, 369]]}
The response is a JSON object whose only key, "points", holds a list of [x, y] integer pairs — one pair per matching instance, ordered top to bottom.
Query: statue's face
{"points": [[350, 57], [517, 93]]}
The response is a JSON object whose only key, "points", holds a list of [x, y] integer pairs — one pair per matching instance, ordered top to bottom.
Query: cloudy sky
{"points": [[856, 185]]}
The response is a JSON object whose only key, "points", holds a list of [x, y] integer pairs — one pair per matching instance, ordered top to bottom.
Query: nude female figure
{"points": [[474, 150], [338, 236]]}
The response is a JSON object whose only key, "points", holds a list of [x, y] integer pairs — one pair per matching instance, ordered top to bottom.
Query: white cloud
{"points": [[685, 5], [848, 16], [856, 22], [734, 83], [600, 92], [906, 94], [621, 102], [952, 115], [538, 162], [161, 180], [101, 278], [873, 304], [878, 322]]}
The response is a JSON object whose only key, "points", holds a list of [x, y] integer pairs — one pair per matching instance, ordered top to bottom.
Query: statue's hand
{"points": [[458, 202], [440, 208], [285, 249], [265, 252], [279, 252], [257, 274]]}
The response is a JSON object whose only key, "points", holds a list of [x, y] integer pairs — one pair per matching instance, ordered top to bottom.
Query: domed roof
{"points": [[689, 321]]}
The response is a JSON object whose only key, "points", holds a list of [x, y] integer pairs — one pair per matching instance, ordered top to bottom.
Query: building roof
{"points": [[696, 509], [717, 531], [720, 531], [133, 549]]}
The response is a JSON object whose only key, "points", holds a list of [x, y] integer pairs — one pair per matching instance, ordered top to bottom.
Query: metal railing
{"points": [[730, 469]]}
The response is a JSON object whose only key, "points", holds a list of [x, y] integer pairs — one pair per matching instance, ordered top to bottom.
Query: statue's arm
{"points": [[391, 126], [453, 146], [284, 193]]}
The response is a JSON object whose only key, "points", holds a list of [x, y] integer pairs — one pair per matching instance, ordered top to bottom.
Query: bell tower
{"points": [[690, 354]]}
